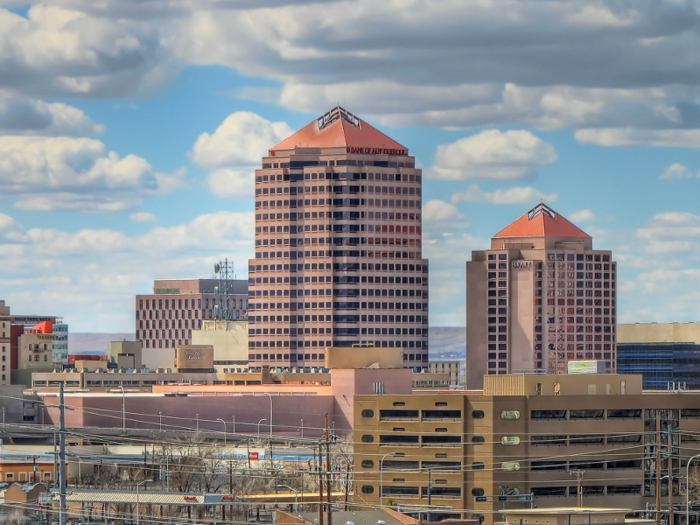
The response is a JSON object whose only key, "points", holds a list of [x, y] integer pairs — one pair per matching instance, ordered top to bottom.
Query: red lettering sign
{"points": [[375, 151], [254, 455], [190, 498], [228, 498]]}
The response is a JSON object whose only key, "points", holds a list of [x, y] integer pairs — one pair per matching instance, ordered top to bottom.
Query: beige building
{"points": [[338, 256], [540, 297], [167, 317], [658, 333], [228, 338], [5, 343], [127, 354], [452, 368], [513, 445]]}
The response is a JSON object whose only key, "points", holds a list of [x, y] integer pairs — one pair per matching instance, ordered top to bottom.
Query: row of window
{"points": [[295, 177], [297, 190], [298, 203], [340, 216], [337, 228], [339, 241], [338, 253], [342, 267], [337, 279], [337, 292], [344, 305], [340, 318], [161, 343], [345, 343], [413, 414]]}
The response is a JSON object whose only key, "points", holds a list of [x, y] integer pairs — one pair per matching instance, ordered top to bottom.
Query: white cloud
{"points": [[20, 114], [669, 138], [242, 139], [235, 150], [492, 154], [676, 171], [64, 173], [515, 195], [439, 212], [584, 215], [143, 216], [671, 232], [103, 268]]}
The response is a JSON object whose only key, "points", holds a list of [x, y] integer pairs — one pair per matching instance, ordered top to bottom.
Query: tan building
{"points": [[338, 256], [539, 298], [167, 317], [659, 333], [228, 338], [5, 343], [36, 350], [127, 354], [452, 368], [513, 445]]}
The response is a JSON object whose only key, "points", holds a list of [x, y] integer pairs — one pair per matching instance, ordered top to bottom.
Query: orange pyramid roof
{"points": [[340, 128], [541, 221]]}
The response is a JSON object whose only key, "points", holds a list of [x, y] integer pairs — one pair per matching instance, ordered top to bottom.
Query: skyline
{"points": [[130, 132]]}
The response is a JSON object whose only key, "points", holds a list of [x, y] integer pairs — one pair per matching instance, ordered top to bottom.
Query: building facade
{"points": [[338, 256], [539, 298], [166, 318], [5, 343], [514, 445]]}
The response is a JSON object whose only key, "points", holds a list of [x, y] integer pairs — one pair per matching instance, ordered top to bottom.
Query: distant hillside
{"points": [[448, 342], [80, 343]]}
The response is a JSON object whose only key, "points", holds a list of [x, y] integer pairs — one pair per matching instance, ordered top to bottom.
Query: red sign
{"points": [[376, 151], [254, 455], [190, 498], [228, 498]]}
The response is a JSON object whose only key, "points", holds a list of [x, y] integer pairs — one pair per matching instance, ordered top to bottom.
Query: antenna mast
{"points": [[224, 309]]}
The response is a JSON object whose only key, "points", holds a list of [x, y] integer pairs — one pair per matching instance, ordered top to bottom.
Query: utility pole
{"points": [[669, 465], [658, 468], [62, 473], [329, 477], [320, 484], [347, 485], [579, 491], [430, 493]]}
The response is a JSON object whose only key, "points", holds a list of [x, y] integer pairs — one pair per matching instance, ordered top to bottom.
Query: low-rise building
{"points": [[515, 443]]}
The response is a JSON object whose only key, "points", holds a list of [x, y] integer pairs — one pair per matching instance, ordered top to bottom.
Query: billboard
{"points": [[195, 356], [587, 367]]}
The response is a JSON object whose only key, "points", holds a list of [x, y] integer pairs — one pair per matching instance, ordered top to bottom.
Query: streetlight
{"points": [[270, 396], [123, 409], [263, 419], [160, 421], [197, 423], [223, 423], [234, 425], [381, 477], [687, 489], [296, 493], [137, 499]]}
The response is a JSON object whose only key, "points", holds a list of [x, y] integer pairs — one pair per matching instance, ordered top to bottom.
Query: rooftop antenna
{"points": [[224, 272]]}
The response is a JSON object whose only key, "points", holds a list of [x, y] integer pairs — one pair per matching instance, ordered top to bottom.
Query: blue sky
{"points": [[130, 130]]}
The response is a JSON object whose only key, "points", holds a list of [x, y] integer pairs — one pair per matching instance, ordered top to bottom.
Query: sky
{"points": [[130, 131]]}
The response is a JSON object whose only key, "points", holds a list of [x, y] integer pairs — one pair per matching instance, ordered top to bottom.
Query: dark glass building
{"points": [[661, 363]]}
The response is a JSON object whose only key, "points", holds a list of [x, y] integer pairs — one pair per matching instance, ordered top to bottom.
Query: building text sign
{"points": [[521, 265]]}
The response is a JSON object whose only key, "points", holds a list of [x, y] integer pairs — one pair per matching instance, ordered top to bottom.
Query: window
{"points": [[367, 413], [398, 414], [442, 414], [478, 414], [510, 414], [548, 414], [586, 414], [624, 414], [368, 438], [629, 438], [478, 439], [586, 439], [408, 440], [441, 440], [510, 440], [549, 440], [367, 463], [391, 464], [624, 464], [442, 465], [478, 465], [548, 465], [510, 466], [367, 489], [624, 489], [399, 490], [477, 491], [549, 491], [448, 492]]}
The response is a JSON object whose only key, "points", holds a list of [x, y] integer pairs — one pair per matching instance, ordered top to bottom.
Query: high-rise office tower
{"points": [[338, 258], [539, 298]]}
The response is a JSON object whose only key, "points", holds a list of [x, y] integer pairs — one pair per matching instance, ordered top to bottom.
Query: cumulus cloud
{"points": [[20, 114], [243, 138], [668, 138], [234, 151], [493, 154], [676, 171], [64, 173], [514, 195], [440, 213], [584, 215], [143, 216], [670, 232], [97, 267]]}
